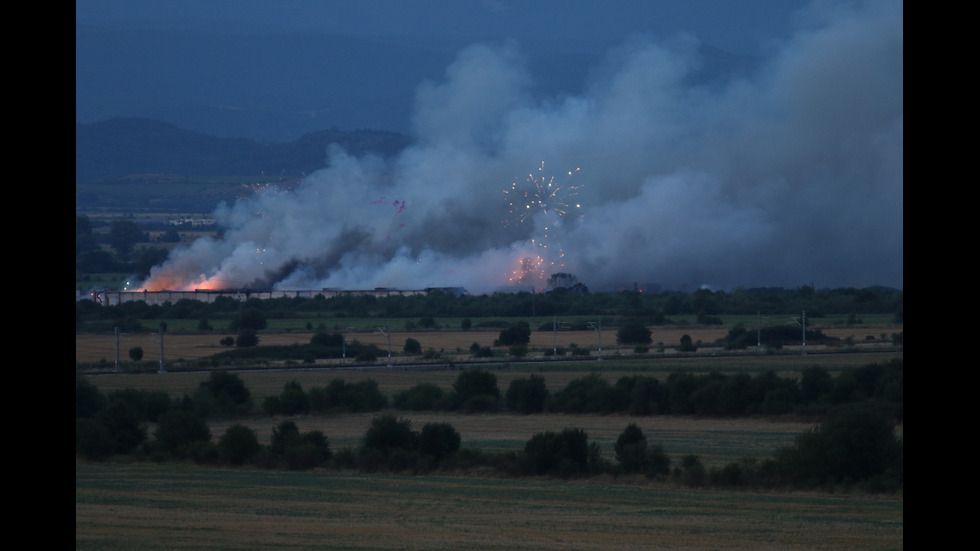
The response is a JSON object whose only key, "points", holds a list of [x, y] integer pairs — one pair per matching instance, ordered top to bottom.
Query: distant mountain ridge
{"points": [[122, 147]]}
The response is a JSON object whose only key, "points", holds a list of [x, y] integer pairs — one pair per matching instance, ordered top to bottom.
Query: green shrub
{"points": [[633, 333], [246, 339], [412, 346], [475, 382], [527, 395], [421, 397], [89, 400], [125, 425], [178, 431], [388, 433], [92, 439], [439, 441], [238, 444], [850, 447], [631, 449], [564, 453], [691, 471]]}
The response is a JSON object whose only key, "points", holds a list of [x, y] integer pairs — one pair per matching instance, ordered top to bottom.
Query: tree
{"points": [[124, 235], [170, 236], [84, 239], [147, 258], [94, 261], [561, 280], [248, 319], [519, 333], [633, 333], [247, 338], [327, 339], [686, 344], [412, 346], [136, 353], [815, 384], [476, 386], [225, 393], [527, 395], [421, 397], [89, 400], [294, 400], [124, 425], [179, 431], [388, 433], [282, 434], [92, 439], [439, 441], [238, 444], [852, 446], [631, 449], [566, 453]]}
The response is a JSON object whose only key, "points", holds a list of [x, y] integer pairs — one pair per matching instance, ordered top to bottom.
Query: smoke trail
{"points": [[789, 175]]}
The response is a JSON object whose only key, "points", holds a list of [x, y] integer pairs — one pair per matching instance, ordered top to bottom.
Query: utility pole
{"points": [[598, 330], [384, 331], [758, 332], [804, 332], [554, 337], [343, 339], [163, 368], [117, 369]]}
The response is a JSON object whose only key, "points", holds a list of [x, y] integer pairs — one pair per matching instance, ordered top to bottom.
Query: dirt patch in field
{"points": [[90, 348], [93, 348]]}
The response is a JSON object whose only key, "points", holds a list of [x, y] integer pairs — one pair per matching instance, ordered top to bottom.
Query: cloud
{"points": [[789, 175]]}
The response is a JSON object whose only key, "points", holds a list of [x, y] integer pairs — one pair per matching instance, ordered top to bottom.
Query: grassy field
{"points": [[452, 345], [717, 441], [172, 506], [165, 507]]}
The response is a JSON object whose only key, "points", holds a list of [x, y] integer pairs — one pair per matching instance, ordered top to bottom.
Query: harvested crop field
{"points": [[90, 348], [164, 507]]}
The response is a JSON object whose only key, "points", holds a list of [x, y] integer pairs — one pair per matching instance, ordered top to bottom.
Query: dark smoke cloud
{"points": [[791, 175]]}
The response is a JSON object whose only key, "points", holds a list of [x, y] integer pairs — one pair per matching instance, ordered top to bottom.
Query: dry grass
{"points": [[90, 348], [717, 441], [157, 507], [167, 507]]}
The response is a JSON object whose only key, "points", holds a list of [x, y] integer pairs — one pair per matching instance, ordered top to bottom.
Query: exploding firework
{"points": [[540, 194], [553, 201], [530, 272]]}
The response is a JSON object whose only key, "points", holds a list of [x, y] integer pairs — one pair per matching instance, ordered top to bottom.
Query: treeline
{"points": [[702, 306], [854, 446]]}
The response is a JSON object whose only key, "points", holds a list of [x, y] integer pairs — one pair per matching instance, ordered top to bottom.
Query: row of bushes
{"points": [[816, 392], [715, 394], [858, 448]]}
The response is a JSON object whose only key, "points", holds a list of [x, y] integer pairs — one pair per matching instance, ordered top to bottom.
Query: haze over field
{"points": [[787, 174]]}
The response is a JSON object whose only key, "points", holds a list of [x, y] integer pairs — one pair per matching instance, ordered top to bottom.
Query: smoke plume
{"points": [[790, 174]]}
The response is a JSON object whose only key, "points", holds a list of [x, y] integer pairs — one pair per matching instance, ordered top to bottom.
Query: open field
{"points": [[91, 348], [717, 441], [172, 506], [164, 507]]}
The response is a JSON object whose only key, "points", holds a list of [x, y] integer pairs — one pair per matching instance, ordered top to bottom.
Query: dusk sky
{"points": [[686, 144]]}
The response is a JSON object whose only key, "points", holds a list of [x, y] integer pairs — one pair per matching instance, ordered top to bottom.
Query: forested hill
{"points": [[125, 147]]}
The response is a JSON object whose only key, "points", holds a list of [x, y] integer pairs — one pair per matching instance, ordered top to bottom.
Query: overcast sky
{"points": [[274, 70], [701, 143]]}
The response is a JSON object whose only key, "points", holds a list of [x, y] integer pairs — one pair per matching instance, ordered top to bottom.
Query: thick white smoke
{"points": [[791, 175]]}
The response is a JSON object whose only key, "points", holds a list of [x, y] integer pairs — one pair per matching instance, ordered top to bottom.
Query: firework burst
{"points": [[541, 194], [548, 200]]}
